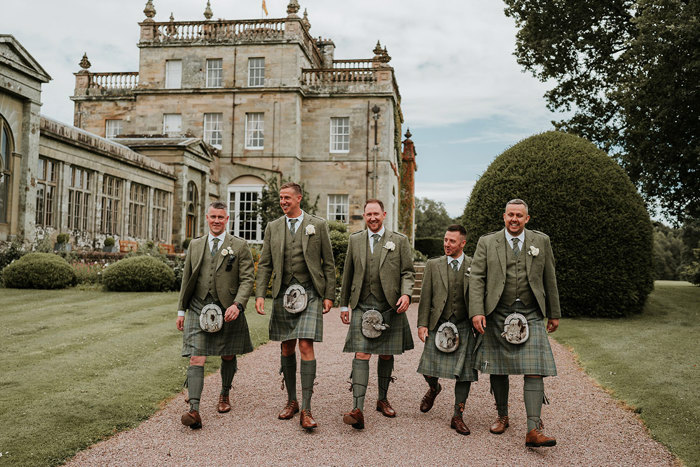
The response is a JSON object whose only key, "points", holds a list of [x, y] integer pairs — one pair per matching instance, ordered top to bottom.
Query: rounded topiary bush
{"points": [[597, 222], [39, 271], [138, 274]]}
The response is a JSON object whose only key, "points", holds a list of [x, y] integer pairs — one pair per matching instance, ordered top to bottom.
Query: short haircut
{"points": [[294, 186], [375, 201], [517, 201], [217, 205], [457, 228]]}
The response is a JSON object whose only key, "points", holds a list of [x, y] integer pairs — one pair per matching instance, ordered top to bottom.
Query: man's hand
{"points": [[402, 304], [260, 305], [327, 305], [231, 313], [345, 317], [479, 322], [180, 323], [552, 324], [422, 333]]}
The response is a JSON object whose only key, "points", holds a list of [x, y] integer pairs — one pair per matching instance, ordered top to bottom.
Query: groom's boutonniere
{"points": [[310, 230], [390, 246], [226, 251], [533, 251], [231, 257], [469, 271]]}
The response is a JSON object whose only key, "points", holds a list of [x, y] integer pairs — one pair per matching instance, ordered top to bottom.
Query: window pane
{"points": [[256, 72], [214, 73], [173, 74], [172, 124], [113, 128], [212, 129], [255, 130], [340, 134], [338, 208]]}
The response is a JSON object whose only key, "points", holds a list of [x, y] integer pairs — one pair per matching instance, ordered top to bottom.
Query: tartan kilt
{"points": [[308, 324], [232, 339], [393, 341], [494, 355], [457, 365]]}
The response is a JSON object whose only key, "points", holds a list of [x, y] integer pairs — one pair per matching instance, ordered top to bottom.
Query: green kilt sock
{"points": [[228, 369], [384, 370], [289, 371], [308, 375], [360, 380], [432, 382], [195, 384], [499, 387], [533, 392], [461, 394]]}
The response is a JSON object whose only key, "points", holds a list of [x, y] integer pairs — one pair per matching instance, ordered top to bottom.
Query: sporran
{"points": [[295, 299], [211, 318], [373, 324], [515, 329], [447, 337]]}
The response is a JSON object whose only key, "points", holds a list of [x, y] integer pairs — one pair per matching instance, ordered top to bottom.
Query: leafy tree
{"points": [[628, 70], [269, 203], [431, 218], [668, 246]]}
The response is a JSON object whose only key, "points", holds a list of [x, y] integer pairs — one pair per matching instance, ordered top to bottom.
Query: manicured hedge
{"points": [[599, 227], [430, 247], [39, 271], [138, 274]]}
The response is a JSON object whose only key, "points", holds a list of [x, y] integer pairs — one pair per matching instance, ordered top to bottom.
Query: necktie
{"points": [[292, 226], [375, 240], [215, 246], [516, 248], [455, 265]]}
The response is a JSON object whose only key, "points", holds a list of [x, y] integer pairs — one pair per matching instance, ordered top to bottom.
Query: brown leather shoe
{"points": [[429, 399], [224, 405], [385, 408], [289, 410], [355, 418], [192, 420], [306, 421], [458, 425], [500, 425], [535, 439]]}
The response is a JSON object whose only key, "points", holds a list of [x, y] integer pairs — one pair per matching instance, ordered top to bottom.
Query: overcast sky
{"points": [[464, 97]]}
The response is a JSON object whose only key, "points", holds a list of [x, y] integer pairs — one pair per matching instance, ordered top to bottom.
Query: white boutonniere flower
{"points": [[310, 230], [390, 246], [226, 251], [533, 251], [469, 271]]}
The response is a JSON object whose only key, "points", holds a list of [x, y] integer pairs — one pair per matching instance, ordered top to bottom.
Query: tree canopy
{"points": [[627, 72], [431, 218]]}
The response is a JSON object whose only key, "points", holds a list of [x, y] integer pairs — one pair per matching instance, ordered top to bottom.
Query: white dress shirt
{"points": [[299, 219], [521, 237], [371, 240], [459, 261]]}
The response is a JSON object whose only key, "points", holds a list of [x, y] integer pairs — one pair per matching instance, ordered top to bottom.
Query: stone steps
{"points": [[419, 268]]}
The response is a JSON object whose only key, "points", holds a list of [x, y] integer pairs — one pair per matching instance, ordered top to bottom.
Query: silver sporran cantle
{"points": [[295, 299], [211, 318], [373, 324], [515, 330], [447, 337]]}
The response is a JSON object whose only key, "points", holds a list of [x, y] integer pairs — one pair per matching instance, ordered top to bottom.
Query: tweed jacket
{"points": [[318, 254], [395, 267], [488, 274], [235, 285], [434, 290]]}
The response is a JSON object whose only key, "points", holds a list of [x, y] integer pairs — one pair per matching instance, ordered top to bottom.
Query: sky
{"points": [[464, 97]]}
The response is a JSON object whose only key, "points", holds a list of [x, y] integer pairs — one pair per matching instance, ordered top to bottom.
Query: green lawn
{"points": [[650, 362], [80, 365]]}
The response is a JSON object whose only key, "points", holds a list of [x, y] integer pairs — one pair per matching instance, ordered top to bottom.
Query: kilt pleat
{"points": [[308, 324], [232, 339], [393, 341], [457, 365]]}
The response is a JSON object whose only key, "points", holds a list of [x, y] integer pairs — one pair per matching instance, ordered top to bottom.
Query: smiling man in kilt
{"points": [[297, 248], [218, 270], [378, 275], [512, 288], [444, 299]]}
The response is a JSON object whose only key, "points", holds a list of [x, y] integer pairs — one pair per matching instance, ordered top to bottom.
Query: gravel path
{"points": [[590, 427]]}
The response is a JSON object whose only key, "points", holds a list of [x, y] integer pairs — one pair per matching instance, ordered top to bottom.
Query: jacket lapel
{"points": [[302, 231], [280, 233], [385, 238], [364, 240], [199, 248], [501, 251], [526, 252], [219, 256], [442, 269], [465, 270]]}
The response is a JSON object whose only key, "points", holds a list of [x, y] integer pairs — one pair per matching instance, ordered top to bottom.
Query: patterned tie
{"points": [[292, 227], [375, 240], [215, 247], [516, 248], [455, 265]]}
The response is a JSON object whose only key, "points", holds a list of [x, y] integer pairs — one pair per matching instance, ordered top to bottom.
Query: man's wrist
{"points": [[180, 313]]}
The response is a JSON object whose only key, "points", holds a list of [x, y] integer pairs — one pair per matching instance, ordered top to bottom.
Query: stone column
{"points": [[407, 201]]}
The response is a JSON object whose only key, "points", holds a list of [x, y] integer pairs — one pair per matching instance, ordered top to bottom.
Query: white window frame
{"points": [[215, 72], [256, 72], [173, 74], [172, 124], [113, 127], [213, 129], [254, 130], [340, 135], [235, 193], [336, 201]]}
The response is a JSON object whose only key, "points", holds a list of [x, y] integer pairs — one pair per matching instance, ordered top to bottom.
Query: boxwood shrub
{"points": [[599, 227], [431, 247], [39, 271], [138, 274]]}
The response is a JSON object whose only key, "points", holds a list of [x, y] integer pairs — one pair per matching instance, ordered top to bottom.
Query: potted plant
{"points": [[62, 244], [109, 245]]}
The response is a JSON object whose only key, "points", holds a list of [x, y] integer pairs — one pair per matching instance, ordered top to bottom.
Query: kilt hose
{"points": [[308, 324], [232, 339], [393, 341], [496, 356], [458, 365]]}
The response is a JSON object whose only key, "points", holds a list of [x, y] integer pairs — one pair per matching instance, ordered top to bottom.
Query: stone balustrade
{"points": [[225, 30], [354, 63], [324, 76], [119, 80]]}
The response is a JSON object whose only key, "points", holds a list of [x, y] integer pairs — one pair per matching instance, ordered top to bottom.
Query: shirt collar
{"points": [[300, 219], [381, 233], [221, 237], [509, 238], [459, 260]]}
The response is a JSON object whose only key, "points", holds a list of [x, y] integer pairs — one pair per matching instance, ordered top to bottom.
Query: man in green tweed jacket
{"points": [[297, 249], [218, 269], [513, 272], [378, 275], [443, 299]]}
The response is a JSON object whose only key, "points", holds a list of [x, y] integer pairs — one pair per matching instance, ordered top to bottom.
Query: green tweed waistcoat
{"points": [[294, 262], [206, 281], [371, 284], [517, 285], [455, 296]]}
